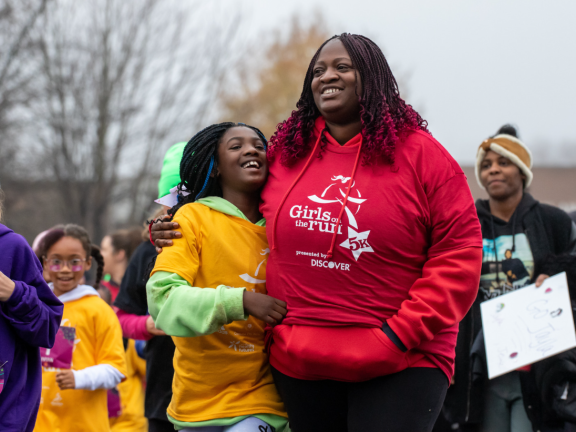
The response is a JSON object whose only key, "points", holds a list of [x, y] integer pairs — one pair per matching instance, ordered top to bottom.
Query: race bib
{"points": [[60, 355], [114, 405]]}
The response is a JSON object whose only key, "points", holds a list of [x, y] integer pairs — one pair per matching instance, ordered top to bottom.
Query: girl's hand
{"points": [[162, 232], [540, 280], [7, 286], [266, 308], [151, 327], [65, 380]]}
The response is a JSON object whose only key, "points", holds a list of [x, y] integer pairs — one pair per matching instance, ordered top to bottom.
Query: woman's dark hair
{"points": [[384, 114], [507, 129], [198, 161], [79, 233], [127, 240]]}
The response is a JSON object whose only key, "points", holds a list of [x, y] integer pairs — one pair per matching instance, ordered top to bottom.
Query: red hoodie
{"points": [[408, 252]]}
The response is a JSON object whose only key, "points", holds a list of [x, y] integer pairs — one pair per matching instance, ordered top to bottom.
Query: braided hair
{"points": [[385, 116], [198, 161], [79, 233], [97, 255]]}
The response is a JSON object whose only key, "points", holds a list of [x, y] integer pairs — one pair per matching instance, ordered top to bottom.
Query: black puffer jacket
{"points": [[550, 231]]}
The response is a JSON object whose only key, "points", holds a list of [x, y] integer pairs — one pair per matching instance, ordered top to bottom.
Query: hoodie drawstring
{"points": [[290, 190], [514, 233], [331, 250], [495, 250]]}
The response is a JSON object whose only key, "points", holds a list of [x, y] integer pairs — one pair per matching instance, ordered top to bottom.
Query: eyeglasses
{"points": [[56, 264]]}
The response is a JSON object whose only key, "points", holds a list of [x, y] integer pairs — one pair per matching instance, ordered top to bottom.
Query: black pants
{"points": [[407, 401], [155, 425]]}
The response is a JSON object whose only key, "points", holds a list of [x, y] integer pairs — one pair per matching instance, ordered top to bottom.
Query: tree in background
{"points": [[17, 20], [270, 80], [115, 84], [270, 87]]}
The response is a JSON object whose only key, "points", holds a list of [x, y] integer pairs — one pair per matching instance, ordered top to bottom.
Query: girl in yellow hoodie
{"points": [[208, 291], [88, 356]]}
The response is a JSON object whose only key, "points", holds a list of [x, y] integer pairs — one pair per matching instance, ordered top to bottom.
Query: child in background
{"points": [[117, 248], [208, 291], [131, 394], [74, 396], [126, 401]]}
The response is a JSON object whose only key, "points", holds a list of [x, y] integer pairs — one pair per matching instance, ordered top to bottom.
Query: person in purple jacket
{"points": [[29, 319]]}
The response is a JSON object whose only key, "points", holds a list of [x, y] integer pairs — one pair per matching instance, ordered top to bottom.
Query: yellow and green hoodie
{"points": [[195, 294]]}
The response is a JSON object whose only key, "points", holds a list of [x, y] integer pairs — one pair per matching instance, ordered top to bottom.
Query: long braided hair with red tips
{"points": [[384, 114]]}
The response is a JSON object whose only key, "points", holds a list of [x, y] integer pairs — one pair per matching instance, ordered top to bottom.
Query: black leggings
{"points": [[407, 401], [155, 425]]}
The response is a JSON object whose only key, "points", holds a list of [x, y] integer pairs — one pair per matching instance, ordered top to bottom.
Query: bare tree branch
{"points": [[15, 47], [119, 82]]}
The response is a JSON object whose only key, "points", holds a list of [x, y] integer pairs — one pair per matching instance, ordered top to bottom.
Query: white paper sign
{"points": [[527, 325]]}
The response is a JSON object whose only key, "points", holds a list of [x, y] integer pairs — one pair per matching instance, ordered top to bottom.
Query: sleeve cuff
{"points": [[233, 301], [101, 376], [80, 381]]}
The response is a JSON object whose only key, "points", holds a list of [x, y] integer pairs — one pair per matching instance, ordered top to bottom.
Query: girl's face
{"points": [[336, 84], [242, 165], [500, 177], [66, 263]]}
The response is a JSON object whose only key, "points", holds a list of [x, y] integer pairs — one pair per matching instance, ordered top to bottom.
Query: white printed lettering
{"points": [[297, 213]]}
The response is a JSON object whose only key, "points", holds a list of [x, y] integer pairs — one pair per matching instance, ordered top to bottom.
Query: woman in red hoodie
{"points": [[375, 247]]}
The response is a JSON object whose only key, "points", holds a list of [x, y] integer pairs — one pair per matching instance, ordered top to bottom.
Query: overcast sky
{"points": [[474, 65]]}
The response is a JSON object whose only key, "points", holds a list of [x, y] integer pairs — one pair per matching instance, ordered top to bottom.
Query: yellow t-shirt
{"points": [[98, 341], [224, 374], [131, 395]]}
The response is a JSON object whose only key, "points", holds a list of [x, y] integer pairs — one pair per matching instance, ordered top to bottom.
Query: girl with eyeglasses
{"points": [[88, 357]]}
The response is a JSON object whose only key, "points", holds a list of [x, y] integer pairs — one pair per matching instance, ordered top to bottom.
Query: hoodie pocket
{"points": [[338, 353]]}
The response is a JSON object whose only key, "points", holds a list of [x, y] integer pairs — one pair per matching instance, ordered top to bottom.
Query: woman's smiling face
{"points": [[336, 84]]}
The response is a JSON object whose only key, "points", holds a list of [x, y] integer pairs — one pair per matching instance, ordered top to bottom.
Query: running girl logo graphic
{"points": [[339, 193], [324, 218], [254, 279], [57, 401]]}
